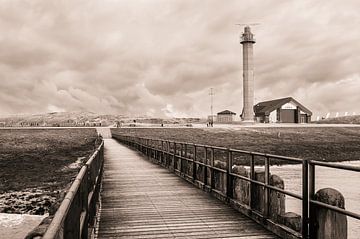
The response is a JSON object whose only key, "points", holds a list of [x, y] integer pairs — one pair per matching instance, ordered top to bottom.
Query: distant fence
{"points": [[259, 195], [75, 217]]}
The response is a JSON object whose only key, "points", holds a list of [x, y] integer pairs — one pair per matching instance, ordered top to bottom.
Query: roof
{"points": [[266, 107], [226, 112]]}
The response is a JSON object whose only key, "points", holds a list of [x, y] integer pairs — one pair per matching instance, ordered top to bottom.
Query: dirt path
{"points": [[104, 132]]}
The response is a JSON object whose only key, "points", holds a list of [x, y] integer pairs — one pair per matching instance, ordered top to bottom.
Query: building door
{"points": [[287, 115], [303, 118]]}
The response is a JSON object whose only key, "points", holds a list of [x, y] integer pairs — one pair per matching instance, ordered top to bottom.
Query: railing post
{"points": [[155, 146], [152, 149], [185, 150], [158, 151], [162, 153], [181, 155], [167, 157], [174, 157], [186, 163], [194, 165], [205, 167], [212, 172], [252, 177], [229, 181], [266, 190], [311, 192], [84, 198], [305, 202]]}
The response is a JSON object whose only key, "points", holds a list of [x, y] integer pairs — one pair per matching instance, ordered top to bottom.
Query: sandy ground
{"points": [[17, 226]]}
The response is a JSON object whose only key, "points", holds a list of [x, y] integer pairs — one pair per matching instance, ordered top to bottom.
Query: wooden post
{"points": [[240, 186], [276, 199], [330, 224]]}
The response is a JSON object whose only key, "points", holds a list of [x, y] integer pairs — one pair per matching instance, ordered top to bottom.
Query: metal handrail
{"points": [[156, 146], [335, 165], [72, 220]]}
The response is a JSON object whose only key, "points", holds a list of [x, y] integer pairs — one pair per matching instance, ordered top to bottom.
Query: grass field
{"points": [[318, 143], [36, 165]]}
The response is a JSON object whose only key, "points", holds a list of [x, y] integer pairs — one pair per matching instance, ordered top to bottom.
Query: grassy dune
{"points": [[353, 119], [323, 143], [36, 165]]}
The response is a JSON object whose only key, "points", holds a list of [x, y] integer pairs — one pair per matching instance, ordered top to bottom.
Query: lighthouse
{"points": [[247, 40]]}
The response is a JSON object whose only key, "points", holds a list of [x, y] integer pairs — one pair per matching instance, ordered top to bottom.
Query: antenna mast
{"points": [[211, 93]]}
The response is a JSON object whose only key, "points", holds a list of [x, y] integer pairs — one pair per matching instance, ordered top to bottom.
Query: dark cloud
{"points": [[161, 57]]}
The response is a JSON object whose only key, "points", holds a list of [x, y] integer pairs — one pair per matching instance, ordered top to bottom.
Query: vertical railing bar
{"points": [[147, 147], [155, 148], [158, 149], [185, 150], [162, 153], [181, 155], [174, 157], [167, 158], [185, 161], [194, 164], [206, 166], [212, 172], [252, 177], [229, 186], [266, 190], [311, 194], [305, 202]]}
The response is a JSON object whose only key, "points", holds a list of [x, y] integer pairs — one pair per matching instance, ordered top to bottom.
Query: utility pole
{"points": [[211, 93]]}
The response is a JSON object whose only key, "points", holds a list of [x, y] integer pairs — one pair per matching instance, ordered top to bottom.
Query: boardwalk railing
{"points": [[216, 170], [75, 217]]}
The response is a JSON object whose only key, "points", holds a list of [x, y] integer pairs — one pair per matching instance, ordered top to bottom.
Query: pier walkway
{"points": [[143, 200]]}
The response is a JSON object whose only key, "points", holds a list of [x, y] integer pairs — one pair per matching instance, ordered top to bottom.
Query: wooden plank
{"points": [[144, 200]]}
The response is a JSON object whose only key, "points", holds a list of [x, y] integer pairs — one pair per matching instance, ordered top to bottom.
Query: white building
{"points": [[285, 110], [226, 116]]}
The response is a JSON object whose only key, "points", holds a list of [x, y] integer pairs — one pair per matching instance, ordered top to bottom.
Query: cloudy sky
{"points": [[160, 58]]}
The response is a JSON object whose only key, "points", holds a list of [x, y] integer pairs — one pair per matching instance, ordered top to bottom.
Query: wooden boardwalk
{"points": [[143, 200]]}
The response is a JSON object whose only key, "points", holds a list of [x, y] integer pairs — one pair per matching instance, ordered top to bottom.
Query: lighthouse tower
{"points": [[247, 40]]}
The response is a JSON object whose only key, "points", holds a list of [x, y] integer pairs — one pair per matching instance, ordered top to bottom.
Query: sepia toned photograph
{"points": [[179, 119]]}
